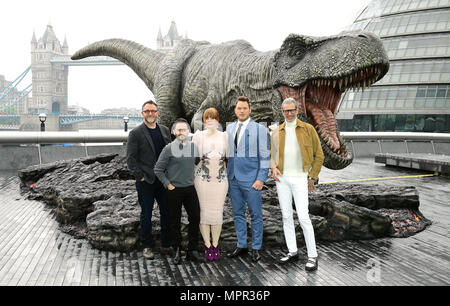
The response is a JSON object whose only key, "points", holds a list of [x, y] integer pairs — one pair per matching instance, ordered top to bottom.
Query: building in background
{"points": [[170, 40], [50, 80], [415, 94], [77, 110], [121, 111]]}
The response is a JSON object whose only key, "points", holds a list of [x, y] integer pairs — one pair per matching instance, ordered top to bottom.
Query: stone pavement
{"points": [[33, 251]]}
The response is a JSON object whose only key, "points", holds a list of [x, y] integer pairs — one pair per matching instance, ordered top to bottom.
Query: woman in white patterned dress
{"points": [[211, 180]]}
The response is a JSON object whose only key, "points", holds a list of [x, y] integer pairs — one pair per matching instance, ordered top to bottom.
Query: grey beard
{"points": [[150, 122], [182, 138]]}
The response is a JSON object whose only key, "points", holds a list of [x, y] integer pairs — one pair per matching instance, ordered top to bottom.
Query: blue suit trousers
{"points": [[242, 193]]}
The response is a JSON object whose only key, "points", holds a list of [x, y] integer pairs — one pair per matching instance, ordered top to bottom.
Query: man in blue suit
{"points": [[248, 166]]}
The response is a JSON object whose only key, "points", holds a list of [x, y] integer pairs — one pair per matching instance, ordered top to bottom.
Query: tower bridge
{"points": [[50, 61]]}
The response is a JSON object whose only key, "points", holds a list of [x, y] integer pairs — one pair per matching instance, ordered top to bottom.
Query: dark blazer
{"points": [[141, 155]]}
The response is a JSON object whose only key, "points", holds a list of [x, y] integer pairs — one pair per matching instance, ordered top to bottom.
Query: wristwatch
{"points": [[313, 179]]}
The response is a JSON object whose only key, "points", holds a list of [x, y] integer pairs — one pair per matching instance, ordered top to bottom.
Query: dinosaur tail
{"points": [[142, 60]]}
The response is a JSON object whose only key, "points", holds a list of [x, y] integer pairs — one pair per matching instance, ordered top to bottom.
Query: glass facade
{"points": [[386, 7], [410, 23], [429, 46], [419, 72], [415, 94], [397, 98], [397, 123]]}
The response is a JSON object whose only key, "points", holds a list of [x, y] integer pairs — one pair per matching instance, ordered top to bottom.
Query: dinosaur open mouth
{"points": [[319, 100]]}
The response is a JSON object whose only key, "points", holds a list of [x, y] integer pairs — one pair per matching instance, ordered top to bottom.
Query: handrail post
{"points": [[353, 149], [39, 153]]}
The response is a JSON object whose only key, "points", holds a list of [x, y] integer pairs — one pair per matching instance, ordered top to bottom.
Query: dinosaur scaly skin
{"points": [[315, 71]]}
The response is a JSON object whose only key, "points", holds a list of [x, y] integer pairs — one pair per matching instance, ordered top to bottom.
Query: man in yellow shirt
{"points": [[296, 160]]}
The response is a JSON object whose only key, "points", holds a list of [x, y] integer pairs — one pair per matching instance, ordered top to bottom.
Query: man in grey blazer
{"points": [[144, 146]]}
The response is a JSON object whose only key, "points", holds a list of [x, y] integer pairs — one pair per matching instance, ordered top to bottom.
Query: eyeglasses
{"points": [[150, 111], [287, 111]]}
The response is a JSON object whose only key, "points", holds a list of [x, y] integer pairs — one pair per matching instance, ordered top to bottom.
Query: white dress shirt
{"points": [[241, 132]]}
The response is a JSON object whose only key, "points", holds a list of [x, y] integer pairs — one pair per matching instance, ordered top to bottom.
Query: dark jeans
{"points": [[147, 193], [187, 197]]}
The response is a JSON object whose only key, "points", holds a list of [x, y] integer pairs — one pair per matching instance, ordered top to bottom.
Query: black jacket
{"points": [[141, 155]]}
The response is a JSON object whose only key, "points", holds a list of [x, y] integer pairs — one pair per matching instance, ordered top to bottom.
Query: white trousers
{"points": [[297, 187]]}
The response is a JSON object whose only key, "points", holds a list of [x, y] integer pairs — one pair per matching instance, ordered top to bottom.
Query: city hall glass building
{"points": [[414, 96]]}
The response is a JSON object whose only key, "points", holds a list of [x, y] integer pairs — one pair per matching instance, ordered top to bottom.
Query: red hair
{"points": [[211, 113]]}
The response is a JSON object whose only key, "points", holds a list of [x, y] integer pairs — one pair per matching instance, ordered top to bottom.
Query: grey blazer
{"points": [[141, 155]]}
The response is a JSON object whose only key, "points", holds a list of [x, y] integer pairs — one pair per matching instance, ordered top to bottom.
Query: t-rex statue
{"points": [[314, 70]]}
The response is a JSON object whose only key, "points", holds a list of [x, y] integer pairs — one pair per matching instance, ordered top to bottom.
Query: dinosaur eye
{"points": [[298, 53]]}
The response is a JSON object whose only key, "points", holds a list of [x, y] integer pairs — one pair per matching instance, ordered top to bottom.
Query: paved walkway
{"points": [[34, 252]]}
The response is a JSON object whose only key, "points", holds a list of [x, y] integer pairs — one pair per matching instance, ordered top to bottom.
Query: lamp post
{"points": [[42, 118], [125, 121]]}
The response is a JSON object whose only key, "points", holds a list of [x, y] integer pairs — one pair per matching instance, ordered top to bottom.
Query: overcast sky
{"points": [[265, 24]]}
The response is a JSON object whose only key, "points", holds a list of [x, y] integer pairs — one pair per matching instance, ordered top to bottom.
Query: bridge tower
{"points": [[171, 40], [50, 80]]}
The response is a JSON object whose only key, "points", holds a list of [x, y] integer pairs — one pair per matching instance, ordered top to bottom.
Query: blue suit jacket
{"points": [[250, 161]]}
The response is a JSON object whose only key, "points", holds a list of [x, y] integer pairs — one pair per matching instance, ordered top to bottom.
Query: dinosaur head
{"points": [[317, 71]]}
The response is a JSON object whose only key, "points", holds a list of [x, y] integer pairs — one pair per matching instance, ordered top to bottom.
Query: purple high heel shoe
{"points": [[209, 253], [216, 253]]}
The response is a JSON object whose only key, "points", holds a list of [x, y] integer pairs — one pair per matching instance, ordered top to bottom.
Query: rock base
{"points": [[96, 198]]}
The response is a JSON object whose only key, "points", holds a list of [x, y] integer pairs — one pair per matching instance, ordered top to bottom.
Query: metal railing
{"points": [[121, 136], [395, 136], [411, 136], [81, 137], [86, 137]]}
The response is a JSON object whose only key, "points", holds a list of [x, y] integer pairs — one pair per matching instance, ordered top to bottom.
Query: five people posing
{"points": [[198, 174]]}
